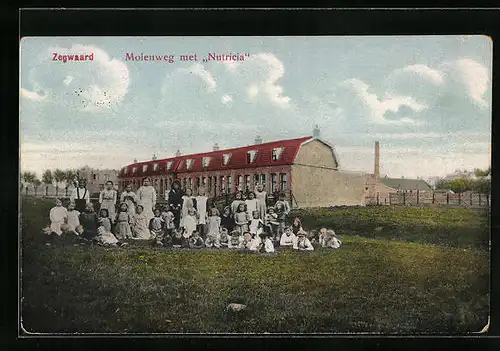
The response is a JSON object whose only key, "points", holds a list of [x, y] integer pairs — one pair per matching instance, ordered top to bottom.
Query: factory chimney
{"points": [[316, 132], [258, 140], [216, 147], [178, 153], [377, 160]]}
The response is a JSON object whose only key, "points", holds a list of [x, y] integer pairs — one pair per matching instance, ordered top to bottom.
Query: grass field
{"points": [[373, 284]]}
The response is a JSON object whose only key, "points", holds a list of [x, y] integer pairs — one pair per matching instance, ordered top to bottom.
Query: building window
{"points": [[277, 153], [251, 155], [225, 159], [206, 161], [181, 163], [189, 163], [169, 165], [155, 167], [144, 168], [125, 171], [94, 176], [256, 179], [263, 180], [274, 181], [283, 181], [198, 182], [240, 182], [247, 182], [184, 183], [190, 183], [223, 184], [229, 184], [210, 185], [216, 186]]}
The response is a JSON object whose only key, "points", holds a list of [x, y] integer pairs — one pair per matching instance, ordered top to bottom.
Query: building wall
{"points": [[317, 183], [322, 187]]}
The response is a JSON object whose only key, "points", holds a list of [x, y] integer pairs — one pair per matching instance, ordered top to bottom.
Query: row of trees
{"points": [[59, 178], [481, 183]]}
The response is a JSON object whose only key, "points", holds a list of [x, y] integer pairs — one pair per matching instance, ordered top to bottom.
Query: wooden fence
{"points": [[420, 198]]}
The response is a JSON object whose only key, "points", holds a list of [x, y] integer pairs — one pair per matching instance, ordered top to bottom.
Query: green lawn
{"points": [[370, 285]]}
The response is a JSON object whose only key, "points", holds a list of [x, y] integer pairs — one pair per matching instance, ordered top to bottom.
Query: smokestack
{"points": [[316, 132], [258, 140], [216, 147], [178, 153], [377, 160]]}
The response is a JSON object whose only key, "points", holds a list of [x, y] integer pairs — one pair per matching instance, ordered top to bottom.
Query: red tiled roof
{"points": [[238, 159]]}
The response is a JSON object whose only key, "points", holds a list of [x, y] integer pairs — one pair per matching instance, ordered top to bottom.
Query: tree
{"points": [[482, 173], [59, 177], [29, 178], [47, 179], [36, 185]]}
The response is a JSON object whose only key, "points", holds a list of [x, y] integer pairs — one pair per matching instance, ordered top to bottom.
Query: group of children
{"points": [[187, 221]]}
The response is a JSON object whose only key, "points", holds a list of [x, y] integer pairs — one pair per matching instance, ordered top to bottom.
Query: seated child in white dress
{"points": [[58, 216], [73, 218], [190, 222], [141, 224], [256, 226], [106, 238], [288, 238], [236, 240], [247, 240], [302, 243], [262, 244]]}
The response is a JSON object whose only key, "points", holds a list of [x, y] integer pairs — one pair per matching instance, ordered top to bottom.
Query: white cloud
{"points": [[199, 70], [472, 74], [434, 76], [84, 85], [31, 95], [226, 99], [378, 107]]}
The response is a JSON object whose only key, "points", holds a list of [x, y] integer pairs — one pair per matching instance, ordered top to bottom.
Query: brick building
{"points": [[306, 169]]}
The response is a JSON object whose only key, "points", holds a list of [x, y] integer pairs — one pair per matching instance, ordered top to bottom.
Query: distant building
{"points": [[306, 169], [458, 174], [97, 178]]}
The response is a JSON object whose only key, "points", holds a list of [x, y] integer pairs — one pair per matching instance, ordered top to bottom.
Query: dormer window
{"points": [[277, 153], [251, 156], [225, 159], [206, 161], [189, 163], [181, 164], [169, 165], [155, 167], [144, 168], [125, 170], [134, 170]]}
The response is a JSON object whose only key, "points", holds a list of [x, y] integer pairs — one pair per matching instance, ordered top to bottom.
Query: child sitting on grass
{"points": [[58, 216], [73, 218], [168, 219], [89, 221], [271, 221], [190, 222], [140, 224], [256, 224], [156, 225], [106, 238], [224, 238], [288, 238], [178, 239], [236, 240], [247, 240], [331, 240], [196, 241], [302, 243], [262, 244]]}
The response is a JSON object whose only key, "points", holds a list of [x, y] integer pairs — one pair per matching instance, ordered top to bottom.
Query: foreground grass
{"points": [[370, 285]]}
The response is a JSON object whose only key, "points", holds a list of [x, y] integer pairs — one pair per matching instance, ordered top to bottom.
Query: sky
{"points": [[426, 99]]}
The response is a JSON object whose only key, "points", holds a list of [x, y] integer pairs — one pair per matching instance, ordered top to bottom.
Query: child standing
{"points": [[261, 196], [129, 197], [107, 199], [188, 201], [175, 202], [236, 203], [252, 204], [201, 207], [58, 216], [73, 218], [168, 219], [241, 219], [104, 220], [226, 220], [89, 222], [123, 222], [189, 222], [141, 223], [272, 223], [256, 224], [156, 225], [213, 229], [331, 240]]}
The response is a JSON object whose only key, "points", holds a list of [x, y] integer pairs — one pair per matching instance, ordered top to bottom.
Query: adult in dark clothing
{"points": [[175, 201]]}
